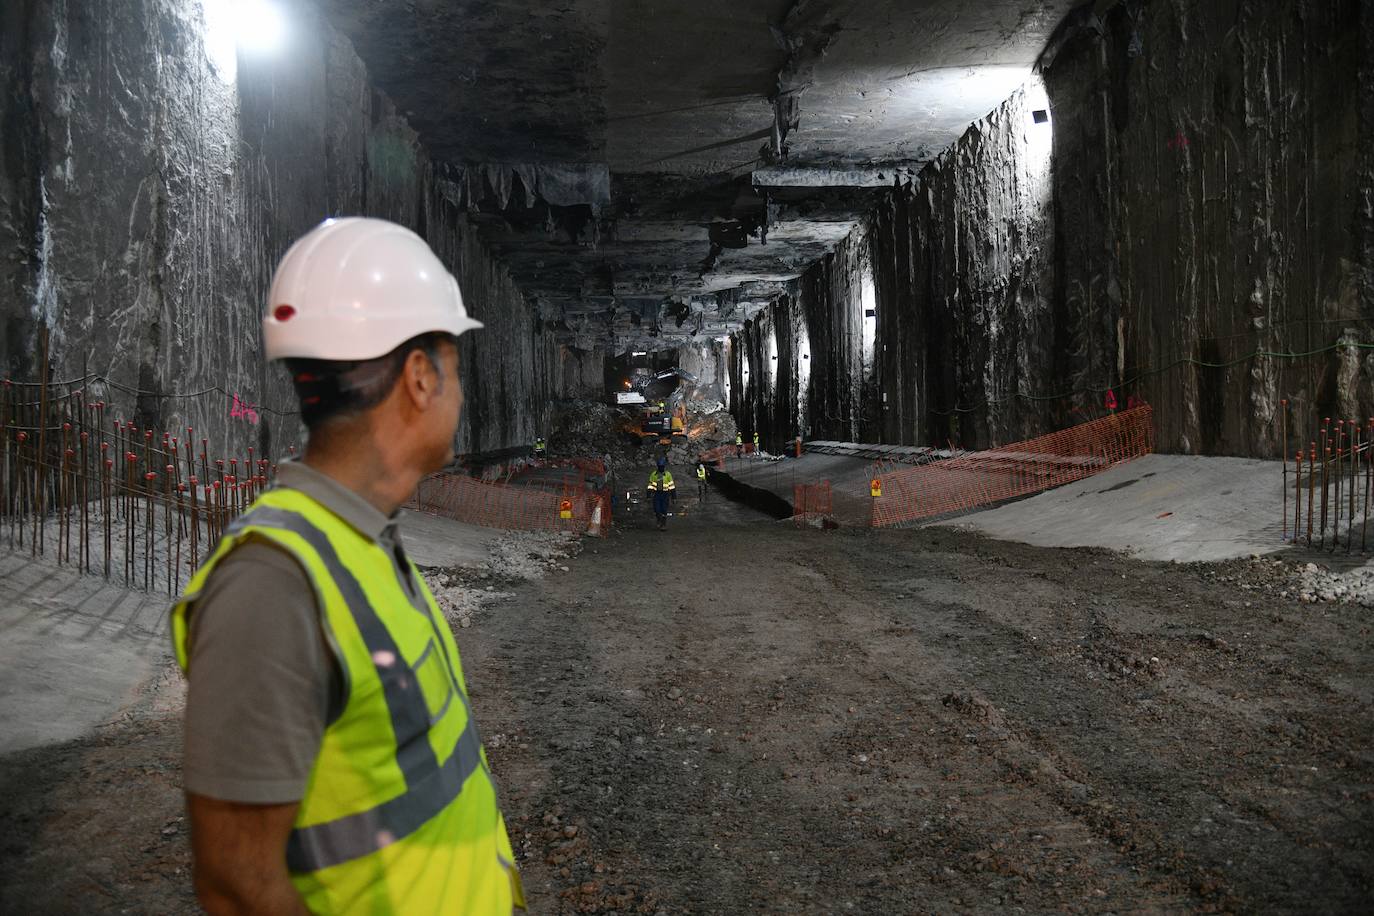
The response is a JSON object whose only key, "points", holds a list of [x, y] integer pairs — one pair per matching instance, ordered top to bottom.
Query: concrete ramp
{"points": [[1159, 507]]}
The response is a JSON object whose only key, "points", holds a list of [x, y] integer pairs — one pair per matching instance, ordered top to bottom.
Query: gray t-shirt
{"points": [[263, 680]]}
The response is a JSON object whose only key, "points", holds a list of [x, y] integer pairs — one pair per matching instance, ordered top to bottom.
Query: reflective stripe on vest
{"points": [[403, 697], [429, 787], [384, 826]]}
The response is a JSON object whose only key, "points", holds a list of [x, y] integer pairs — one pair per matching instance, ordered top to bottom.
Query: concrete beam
{"points": [[777, 176]]}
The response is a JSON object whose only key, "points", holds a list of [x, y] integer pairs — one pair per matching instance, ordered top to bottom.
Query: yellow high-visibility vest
{"points": [[701, 472], [662, 483], [400, 813]]}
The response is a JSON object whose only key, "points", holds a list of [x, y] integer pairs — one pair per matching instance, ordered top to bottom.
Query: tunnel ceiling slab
{"points": [[766, 124]]}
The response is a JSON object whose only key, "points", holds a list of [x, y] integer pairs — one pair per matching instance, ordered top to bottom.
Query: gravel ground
{"points": [[739, 716]]}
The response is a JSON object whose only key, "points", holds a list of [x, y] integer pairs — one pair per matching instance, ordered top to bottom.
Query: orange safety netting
{"points": [[981, 478], [811, 501], [572, 508]]}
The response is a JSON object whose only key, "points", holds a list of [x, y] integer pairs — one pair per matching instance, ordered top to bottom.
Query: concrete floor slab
{"points": [[1160, 507], [434, 541], [74, 650]]}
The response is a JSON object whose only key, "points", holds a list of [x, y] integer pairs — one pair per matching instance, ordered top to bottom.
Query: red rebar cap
{"points": [[66, 427], [23, 436], [85, 436], [104, 446], [71, 452], [131, 456], [109, 462], [170, 469], [151, 475], [194, 481], [216, 484], [181, 488]]}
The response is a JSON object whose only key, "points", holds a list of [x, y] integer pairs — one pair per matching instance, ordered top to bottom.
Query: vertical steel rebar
{"points": [[40, 456], [1368, 467], [1326, 468], [149, 479], [1354, 485], [181, 491], [1297, 494], [107, 496], [85, 502], [1336, 506], [128, 516], [167, 520], [195, 524]]}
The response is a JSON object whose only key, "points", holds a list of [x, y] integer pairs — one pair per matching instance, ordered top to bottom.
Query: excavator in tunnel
{"points": [[661, 399]]}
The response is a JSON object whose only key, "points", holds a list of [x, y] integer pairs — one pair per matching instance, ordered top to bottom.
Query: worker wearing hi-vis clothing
{"points": [[756, 443], [739, 445], [540, 447], [701, 481], [663, 491], [332, 761]]}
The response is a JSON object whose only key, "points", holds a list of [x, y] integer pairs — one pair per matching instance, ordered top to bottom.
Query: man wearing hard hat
{"points": [[333, 763]]}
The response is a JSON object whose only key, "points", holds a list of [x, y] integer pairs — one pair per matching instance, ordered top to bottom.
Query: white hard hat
{"points": [[355, 289]]}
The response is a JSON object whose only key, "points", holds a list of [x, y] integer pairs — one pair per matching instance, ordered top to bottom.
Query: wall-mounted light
{"points": [[1040, 116]]}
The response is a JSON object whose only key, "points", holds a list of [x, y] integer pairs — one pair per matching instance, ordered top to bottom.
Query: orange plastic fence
{"points": [[718, 454], [980, 478], [811, 501], [516, 508]]}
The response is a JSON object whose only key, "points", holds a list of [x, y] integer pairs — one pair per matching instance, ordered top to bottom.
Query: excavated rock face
{"points": [[148, 187], [1187, 193], [1192, 205]]}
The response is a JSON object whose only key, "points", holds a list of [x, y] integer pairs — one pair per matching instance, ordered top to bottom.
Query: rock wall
{"points": [[1210, 178], [148, 187], [1192, 227], [800, 366]]}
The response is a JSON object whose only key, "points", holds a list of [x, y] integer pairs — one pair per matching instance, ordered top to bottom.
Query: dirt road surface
{"points": [[735, 716]]}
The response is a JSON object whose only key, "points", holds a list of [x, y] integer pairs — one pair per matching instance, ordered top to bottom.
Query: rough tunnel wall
{"points": [[146, 192], [1207, 198], [1217, 208], [964, 273], [827, 301], [706, 361], [582, 373]]}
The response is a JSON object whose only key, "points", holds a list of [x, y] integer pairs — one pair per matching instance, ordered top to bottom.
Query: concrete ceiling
{"points": [[655, 170]]}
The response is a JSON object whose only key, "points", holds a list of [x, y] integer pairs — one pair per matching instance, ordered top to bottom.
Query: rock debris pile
{"points": [[595, 430], [1305, 582], [462, 592]]}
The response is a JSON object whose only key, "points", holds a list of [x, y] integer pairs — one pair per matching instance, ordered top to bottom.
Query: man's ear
{"points": [[420, 377]]}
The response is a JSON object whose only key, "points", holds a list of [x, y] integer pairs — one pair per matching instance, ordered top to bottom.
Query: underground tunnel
{"points": [[915, 457]]}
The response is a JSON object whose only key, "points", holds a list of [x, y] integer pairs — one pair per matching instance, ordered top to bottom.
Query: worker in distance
{"points": [[332, 760]]}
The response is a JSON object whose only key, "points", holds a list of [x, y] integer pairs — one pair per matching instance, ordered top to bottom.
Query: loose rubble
{"points": [[584, 428], [1305, 582], [463, 591]]}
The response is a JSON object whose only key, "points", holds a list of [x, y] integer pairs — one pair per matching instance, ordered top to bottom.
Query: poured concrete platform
{"points": [[1159, 507], [75, 650]]}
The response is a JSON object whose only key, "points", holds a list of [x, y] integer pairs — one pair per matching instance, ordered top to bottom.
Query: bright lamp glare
{"points": [[231, 26], [261, 28]]}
